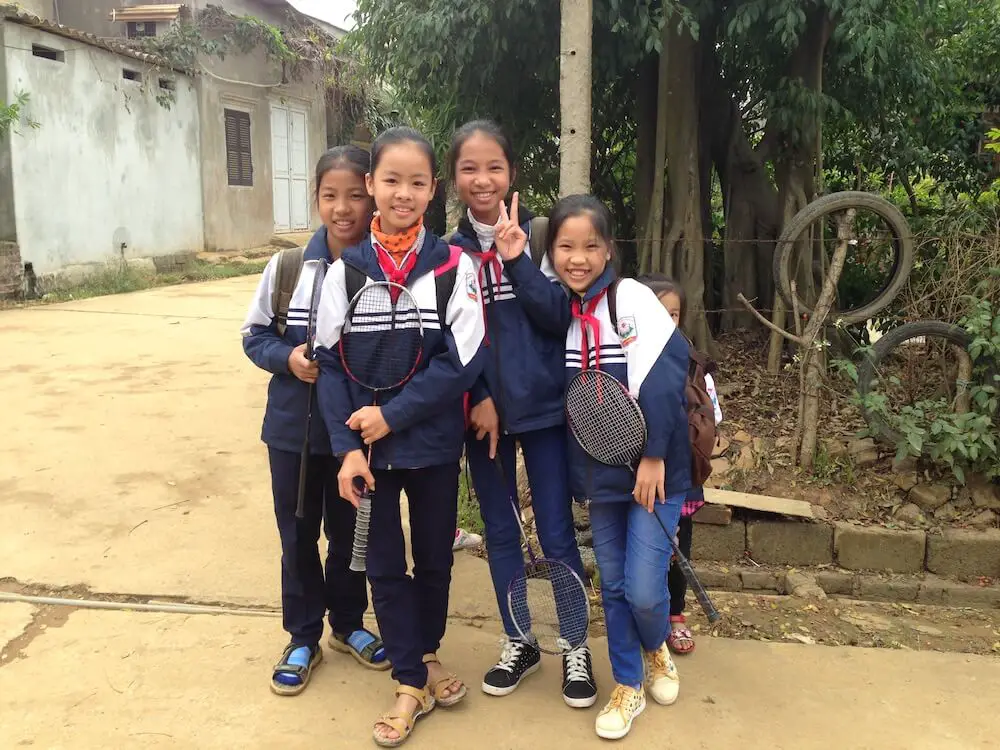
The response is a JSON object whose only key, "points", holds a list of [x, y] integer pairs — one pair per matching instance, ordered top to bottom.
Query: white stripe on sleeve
{"points": [[332, 307], [259, 313], [644, 328]]}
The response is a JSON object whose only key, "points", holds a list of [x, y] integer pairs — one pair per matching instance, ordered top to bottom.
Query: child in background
{"points": [[518, 398], [416, 432], [633, 552], [307, 591], [681, 640]]}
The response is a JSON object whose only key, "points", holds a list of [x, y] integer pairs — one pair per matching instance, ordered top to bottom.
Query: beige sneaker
{"points": [[662, 680], [615, 719]]}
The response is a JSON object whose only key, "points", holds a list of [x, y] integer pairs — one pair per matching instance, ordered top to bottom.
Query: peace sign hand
{"points": [[510, 238]]}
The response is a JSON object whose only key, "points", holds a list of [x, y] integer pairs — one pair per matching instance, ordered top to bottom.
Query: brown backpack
{"points": [[700, 410]]}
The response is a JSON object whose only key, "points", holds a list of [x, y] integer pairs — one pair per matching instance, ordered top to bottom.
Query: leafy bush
{"points": [[963, 441]]}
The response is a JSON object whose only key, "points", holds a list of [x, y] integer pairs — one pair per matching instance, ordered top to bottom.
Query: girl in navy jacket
{"points": [[643, 351], [518, 398], [416, 431], [307, 591]]}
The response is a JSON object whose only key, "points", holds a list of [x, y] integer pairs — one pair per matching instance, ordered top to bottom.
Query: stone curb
{"points": [[955, 553], [926, 589]]}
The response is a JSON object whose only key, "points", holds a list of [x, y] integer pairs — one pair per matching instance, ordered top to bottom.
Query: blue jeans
{"points": [[545, 461], [633, 556]]}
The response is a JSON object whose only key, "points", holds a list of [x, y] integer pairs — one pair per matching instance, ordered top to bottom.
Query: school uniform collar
{"points": [[467, 237], [316, 248], [431, 254], [603, 282]]}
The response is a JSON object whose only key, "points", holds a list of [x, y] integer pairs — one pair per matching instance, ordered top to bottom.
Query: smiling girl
{"points": [[620, 327], [518, 399], [416, 432], [308, 591]]}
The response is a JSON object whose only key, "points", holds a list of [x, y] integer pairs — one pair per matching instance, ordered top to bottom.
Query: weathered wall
{"points": [[92, 16], [107, 155], [243, 217], [8, 228]]}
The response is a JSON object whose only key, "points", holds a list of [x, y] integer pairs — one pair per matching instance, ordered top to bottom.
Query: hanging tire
{"points": [[832, 203], [884, 347]]}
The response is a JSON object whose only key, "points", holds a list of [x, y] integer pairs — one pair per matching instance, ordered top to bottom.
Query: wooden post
{"points": [[575, 46]]}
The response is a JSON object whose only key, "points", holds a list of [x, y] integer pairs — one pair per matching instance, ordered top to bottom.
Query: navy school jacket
{"points": [[525, 336], [650, 356], [287, 396], [426, 414]]}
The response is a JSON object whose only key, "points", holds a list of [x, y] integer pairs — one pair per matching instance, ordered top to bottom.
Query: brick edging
{"points": [[955, 553], [927, 589]]}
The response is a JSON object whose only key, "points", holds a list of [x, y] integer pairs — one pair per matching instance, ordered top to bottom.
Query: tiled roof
{"points": [[20, 16]]}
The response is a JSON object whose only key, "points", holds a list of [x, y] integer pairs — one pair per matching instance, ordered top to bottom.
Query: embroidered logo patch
{"points": [[471, 287], [627, 331]]}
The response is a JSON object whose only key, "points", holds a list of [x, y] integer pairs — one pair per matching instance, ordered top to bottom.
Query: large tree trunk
{"points": [[576, 34], [645, 102], [683, 253]]}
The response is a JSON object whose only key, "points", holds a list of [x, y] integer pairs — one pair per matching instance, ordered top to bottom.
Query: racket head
{"points": [[317, 290], [382, 339], [605, 419], [549, 606]]}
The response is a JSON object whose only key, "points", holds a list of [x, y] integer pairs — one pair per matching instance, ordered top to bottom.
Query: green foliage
{"points": [[12, 115], [962, 441]]}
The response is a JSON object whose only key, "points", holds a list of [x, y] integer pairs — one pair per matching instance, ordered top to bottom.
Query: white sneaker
{"points": [[465, 540], [662, 680], [615, 719]]}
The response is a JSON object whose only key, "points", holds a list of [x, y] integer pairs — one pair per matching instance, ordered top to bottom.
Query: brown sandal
{"points": [[443, 684], [403, 724]]}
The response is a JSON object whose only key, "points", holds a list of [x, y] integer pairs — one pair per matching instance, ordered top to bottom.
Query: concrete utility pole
{"points": [[576, 35]]}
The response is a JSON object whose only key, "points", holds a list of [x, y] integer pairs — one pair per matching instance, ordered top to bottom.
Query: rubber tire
{"points": [[827, 204], [885, 345]]}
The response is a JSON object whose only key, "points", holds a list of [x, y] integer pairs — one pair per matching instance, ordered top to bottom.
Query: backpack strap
{"points": [[538, 228], [286, 277], [445, 277], [613, 303]]}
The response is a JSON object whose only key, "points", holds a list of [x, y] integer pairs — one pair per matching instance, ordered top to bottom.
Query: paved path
{"points": [[131, 464]]}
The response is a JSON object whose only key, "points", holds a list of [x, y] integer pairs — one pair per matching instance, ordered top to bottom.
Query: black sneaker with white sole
{"points": [[517, 660], [579, 687]]}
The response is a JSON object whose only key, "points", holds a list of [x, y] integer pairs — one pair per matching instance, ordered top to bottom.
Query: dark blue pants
{"points": [[546, 463], [676, 581], [307, 591], [412, 612]]}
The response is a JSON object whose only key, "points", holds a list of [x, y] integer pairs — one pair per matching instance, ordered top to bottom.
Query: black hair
{"points": [[488, 128], [402, 134], [349, 157], [578, 205], [662, 284]]}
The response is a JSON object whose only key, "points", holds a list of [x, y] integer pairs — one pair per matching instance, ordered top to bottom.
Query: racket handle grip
{"points": [[359, 551]]}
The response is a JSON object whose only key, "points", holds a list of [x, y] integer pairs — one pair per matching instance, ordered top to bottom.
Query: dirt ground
{"points": [[132, 472]]}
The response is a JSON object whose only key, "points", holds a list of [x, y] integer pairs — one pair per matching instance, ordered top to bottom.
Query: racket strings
{"points": [[382, 339], [605, 419], [549, 604]]}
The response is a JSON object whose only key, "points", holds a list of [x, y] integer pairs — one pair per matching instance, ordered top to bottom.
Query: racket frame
{"points": [[317, 288], [359, 562], [536, 562], [696, 586]]}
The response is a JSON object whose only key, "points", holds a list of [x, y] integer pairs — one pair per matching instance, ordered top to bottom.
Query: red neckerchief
{"points": [[488, 257], [587, 319]]}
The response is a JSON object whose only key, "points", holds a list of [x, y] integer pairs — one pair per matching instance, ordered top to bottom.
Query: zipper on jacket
{"points": [[501, 401]]}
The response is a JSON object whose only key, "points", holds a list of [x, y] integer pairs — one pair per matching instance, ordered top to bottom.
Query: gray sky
{"points": [[337, 12]]}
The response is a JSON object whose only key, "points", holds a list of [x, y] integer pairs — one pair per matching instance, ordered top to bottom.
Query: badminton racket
{"points": [[380, 347], [608, 424], [300, 506], [547, 601]]}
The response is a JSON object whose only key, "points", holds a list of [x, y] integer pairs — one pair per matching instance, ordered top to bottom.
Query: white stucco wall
{"points": [[107, 155]]}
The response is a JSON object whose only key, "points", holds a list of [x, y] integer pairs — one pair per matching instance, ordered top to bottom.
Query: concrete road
{"points": [[130, 463], [125, 679]]}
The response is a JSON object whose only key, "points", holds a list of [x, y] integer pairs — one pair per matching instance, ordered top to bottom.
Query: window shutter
{"points": [[239, 155]]}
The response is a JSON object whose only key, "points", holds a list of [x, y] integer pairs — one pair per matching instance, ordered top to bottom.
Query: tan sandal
{"points": [[439, 686], [403, 725]]}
